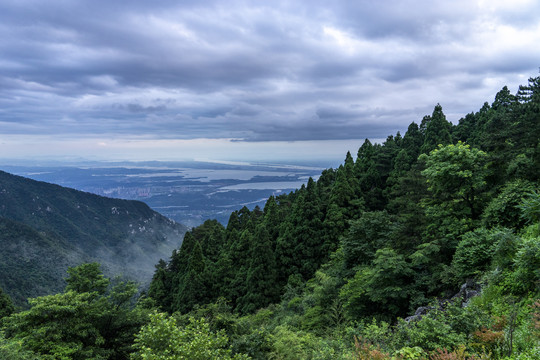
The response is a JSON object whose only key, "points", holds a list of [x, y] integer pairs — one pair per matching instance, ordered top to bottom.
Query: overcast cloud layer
{"points": [[251, 71]]}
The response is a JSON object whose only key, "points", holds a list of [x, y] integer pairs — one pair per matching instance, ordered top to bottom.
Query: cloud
{"points": [[255, 71]]}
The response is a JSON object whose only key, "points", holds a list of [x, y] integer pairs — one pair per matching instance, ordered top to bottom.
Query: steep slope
{"points": [[384, 227], [44, 228]]}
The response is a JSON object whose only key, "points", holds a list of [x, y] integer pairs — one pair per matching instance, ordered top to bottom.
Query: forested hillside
{"points": [[402, 206], [406, 222], [45, 228], [426, 246]]}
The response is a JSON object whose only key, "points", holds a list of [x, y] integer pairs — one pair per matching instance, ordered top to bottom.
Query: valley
{"points": [[46, 228]]}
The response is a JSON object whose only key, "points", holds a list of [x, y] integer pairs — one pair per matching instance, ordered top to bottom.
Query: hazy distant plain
{"points": [[187, 192]]}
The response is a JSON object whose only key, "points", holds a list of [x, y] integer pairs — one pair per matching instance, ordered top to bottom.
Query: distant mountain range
{"points": [[45, 228]]}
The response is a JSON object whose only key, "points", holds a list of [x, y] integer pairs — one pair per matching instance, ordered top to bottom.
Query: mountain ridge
{"points": [[125, 236]]}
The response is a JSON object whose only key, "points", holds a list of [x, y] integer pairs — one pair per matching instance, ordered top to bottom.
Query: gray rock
{"points": [[466, 292]]}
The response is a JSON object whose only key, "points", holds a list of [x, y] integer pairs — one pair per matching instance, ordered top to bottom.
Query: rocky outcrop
{"points": [[466, 292]]}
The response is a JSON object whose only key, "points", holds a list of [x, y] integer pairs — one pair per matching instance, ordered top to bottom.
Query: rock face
{"points": [[45, 228], [466, 292]]}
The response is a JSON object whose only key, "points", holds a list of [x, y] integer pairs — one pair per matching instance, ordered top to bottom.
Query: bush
{"points": [[504, 210], [473, 254], [526, 276], [374, 332], [428, 333], [162, 339], [257, 344], [293, 345], [13, 350], [364, 350], [410, 353], [458, 354]]}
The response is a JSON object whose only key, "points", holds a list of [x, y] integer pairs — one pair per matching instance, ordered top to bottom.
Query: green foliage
{"points": [[437, 130], [455, 175], [370, 181], [530, 208], [504, 210], [46, 228], [370, 232], [376, 238], [506, 246], [299, 248], [474, 254], [527, 267], [25, 271], [87, 278], [261, 281], [161, 285], [382, 288], [193, 292], [319, 303], [6, 305], [315, 318], [463, 320], [79, 325], [61, 326], [374, 332], [429, 333], [163, 339], [526, 340], [257, 344], [295, 345], [14, 350], [410, 353]]}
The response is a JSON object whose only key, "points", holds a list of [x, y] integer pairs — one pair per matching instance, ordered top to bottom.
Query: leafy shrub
{"points": [[530, 208], [504, 210], [506, 246], [473, 254], [526, 276], [383, 288], [6, 305], [315, 319], [463, 320], [379, 333], [428, 333], [526, 336], [162, 339], [488, 340], [257, 344], [290, 344], [294, 345], [13, 350], [364, 350], [410, 353], [459, 354]]}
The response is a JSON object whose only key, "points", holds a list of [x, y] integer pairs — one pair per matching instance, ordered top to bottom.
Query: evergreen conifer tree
{"points": [[437, 131], [195, 282], [262, 286], [161, 287]]}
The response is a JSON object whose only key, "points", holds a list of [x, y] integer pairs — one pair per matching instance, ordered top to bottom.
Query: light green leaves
{"points": [[163, 339]]}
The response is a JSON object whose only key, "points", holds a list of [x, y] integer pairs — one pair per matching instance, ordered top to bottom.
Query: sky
{"points": [[247, 80]]}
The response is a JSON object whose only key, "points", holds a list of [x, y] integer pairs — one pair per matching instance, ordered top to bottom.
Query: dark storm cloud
{"points": [[251, 70], [321, 126]]}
